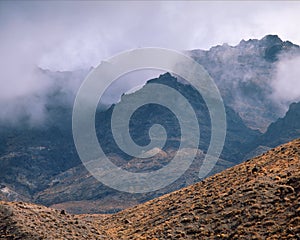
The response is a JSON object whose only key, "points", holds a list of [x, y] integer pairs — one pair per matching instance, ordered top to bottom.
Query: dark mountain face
{"points": [[287, 128], [281, 131], [238, 134], [30, 157]]}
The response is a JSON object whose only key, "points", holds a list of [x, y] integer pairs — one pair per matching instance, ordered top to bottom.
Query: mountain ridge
{"points": [[244, 75]]}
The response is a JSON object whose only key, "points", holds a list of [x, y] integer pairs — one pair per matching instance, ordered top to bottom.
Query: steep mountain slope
{"points": [[287, 128], [283, 130], [238, 134], [258, 199]]}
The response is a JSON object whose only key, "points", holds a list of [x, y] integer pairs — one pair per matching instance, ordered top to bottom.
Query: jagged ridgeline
{"points": [[150, 114]]}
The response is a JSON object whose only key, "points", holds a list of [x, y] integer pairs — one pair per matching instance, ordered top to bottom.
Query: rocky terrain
{"points": [[41, 164], [77, 182], [257, 199], [28, 221]]}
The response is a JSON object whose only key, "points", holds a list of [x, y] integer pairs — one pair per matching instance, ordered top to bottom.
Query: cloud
{"points": [[67, 36], [286, 82]]}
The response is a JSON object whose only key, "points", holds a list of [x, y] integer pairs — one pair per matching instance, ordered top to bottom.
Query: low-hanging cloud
{"points": [[68, 36], [286, 82]]}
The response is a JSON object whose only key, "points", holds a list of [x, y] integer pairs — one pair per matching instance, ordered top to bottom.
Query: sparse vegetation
{"points": [[238, 203]]}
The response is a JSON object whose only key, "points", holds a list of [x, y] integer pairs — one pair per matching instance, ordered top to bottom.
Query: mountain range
{"points": [[40, 163]]}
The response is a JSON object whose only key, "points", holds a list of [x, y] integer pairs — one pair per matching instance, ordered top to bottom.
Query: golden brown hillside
{"points": [[258, 199], [19, 220]]}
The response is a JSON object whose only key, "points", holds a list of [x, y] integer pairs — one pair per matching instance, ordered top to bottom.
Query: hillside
{"points": [[257, 199], [28, 221]]}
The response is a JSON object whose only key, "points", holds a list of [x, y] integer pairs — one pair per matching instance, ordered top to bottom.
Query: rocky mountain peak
{"points": [[271, 40], [273, 47], [244, 75]]}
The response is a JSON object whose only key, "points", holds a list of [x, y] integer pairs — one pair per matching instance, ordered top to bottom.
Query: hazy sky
{"points": [[67, 35], [70, 35]]}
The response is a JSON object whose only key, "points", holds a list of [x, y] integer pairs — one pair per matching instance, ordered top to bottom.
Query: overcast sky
{"points": [[69, 35]]}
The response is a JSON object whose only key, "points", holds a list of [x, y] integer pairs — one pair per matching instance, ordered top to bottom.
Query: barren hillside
{"points": [[258, 199]]}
